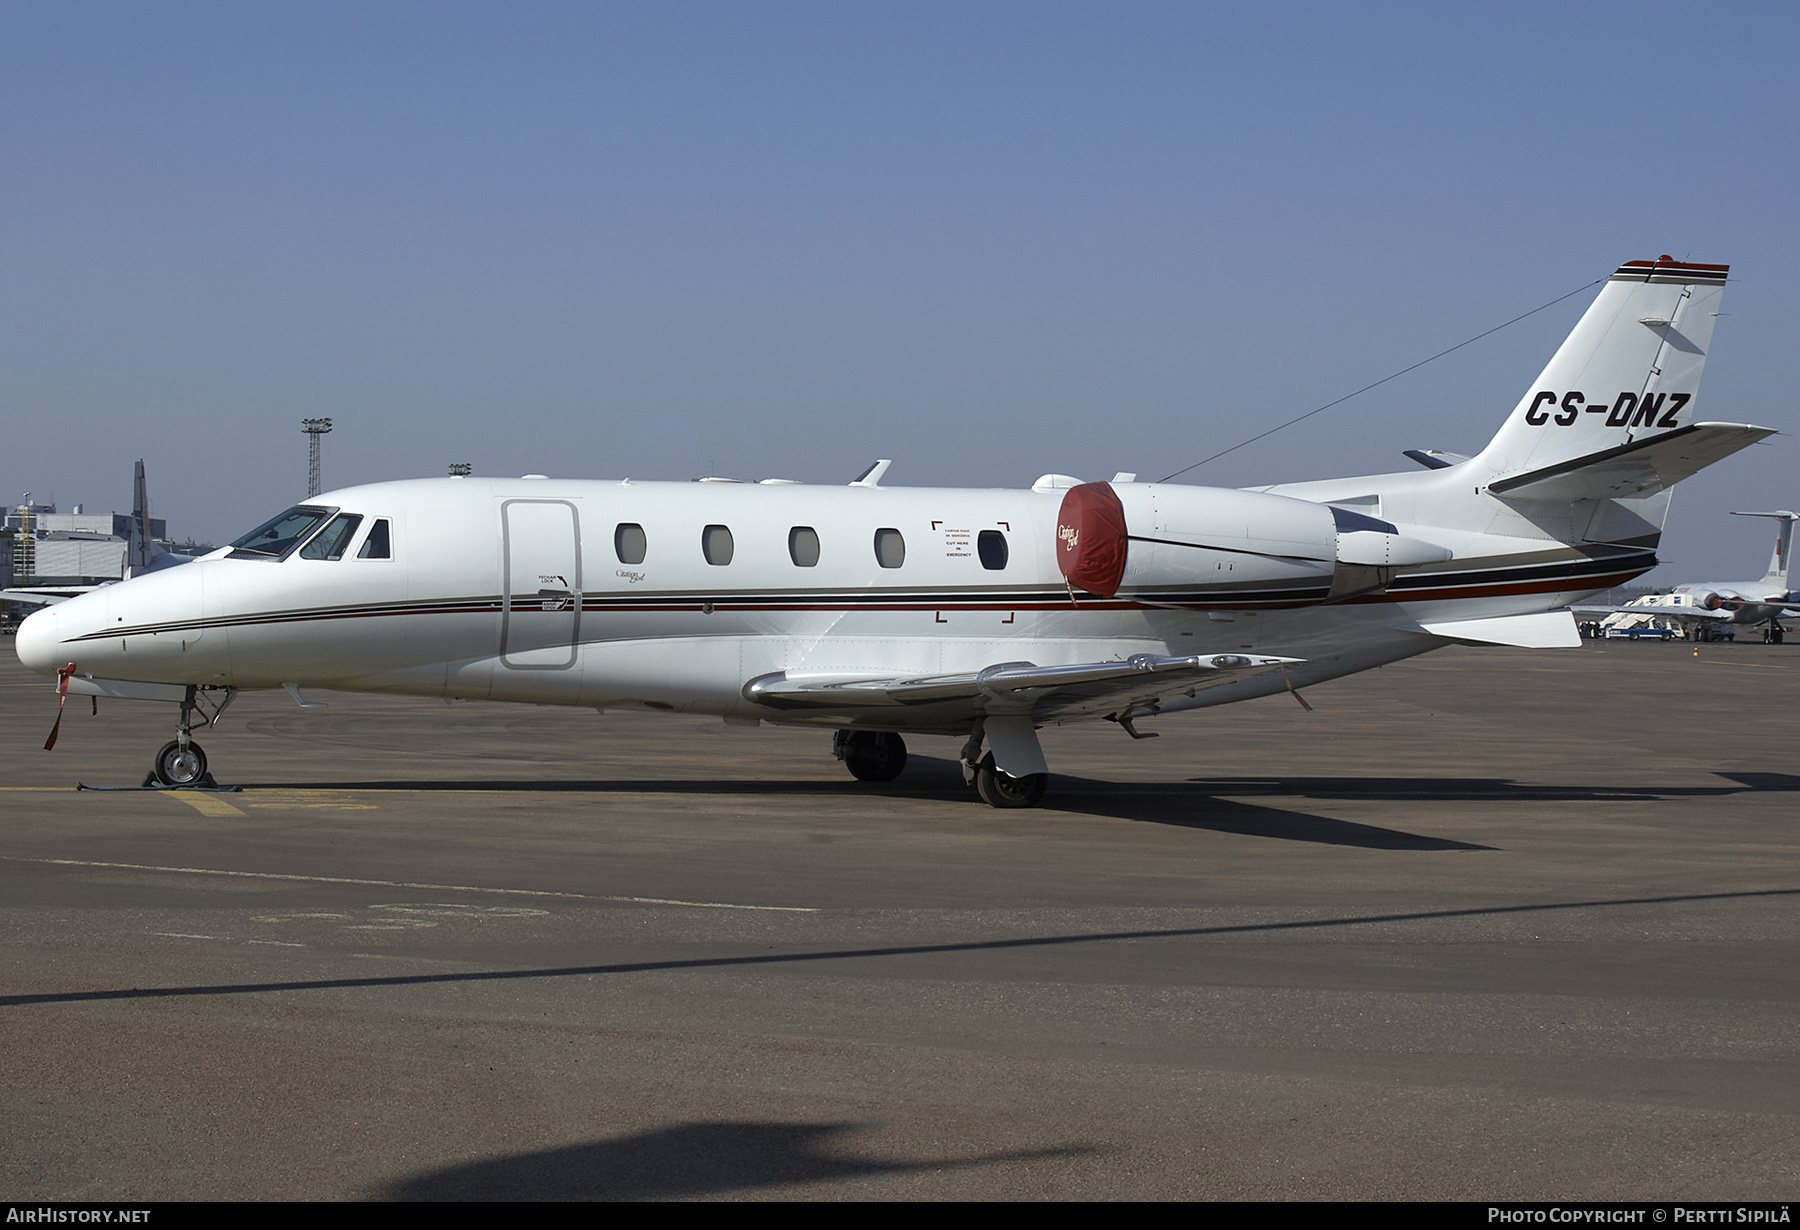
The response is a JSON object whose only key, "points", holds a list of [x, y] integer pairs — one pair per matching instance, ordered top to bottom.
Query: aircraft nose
{"points": [[38, 643]]}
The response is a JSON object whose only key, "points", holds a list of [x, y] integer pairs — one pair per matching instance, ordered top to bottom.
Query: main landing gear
{"points": [[870, 755], [879, 755], [182, 762], [996, 787], [999, 789]]}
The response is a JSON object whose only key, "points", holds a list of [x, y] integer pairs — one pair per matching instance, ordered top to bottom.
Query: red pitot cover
{"points": [[1090, 538]]}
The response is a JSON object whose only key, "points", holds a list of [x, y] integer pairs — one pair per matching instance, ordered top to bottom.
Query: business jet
{"points": [[1701, 605], [883, 613]]}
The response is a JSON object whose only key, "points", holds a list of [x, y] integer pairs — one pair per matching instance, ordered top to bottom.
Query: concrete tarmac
{"points": [[1488, 924]]}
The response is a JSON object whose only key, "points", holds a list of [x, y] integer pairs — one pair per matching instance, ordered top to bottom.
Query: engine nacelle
{"points": [[1215, 546]]}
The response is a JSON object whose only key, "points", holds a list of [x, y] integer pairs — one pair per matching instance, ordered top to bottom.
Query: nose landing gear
{"points": [[182, 762], [178, 765]]}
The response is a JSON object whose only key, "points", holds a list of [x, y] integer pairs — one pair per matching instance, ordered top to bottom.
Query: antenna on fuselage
{"points": [[314, 428], [871, 477]]}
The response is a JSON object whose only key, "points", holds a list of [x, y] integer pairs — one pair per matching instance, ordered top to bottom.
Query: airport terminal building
{"points": [[40, 546]]}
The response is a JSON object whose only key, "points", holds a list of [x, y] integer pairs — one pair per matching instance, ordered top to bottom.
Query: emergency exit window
{"points": [[990, 545]]}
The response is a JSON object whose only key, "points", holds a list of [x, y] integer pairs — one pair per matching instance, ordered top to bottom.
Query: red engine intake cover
{"points": [[1090, 538]]}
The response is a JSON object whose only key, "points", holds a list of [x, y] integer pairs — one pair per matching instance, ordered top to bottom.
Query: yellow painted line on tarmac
{"points": [[205, 804]]}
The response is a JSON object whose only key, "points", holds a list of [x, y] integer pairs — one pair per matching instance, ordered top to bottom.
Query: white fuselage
{"points": [[527, 590]]}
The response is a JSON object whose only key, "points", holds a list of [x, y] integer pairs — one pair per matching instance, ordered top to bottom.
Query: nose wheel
{"points": [[181, 763]]}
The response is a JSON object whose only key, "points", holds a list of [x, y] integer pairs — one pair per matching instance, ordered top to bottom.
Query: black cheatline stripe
{"points": [[791, 597], [914, 599]]}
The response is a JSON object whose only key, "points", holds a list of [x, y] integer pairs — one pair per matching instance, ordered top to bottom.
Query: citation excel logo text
{"points": [[1626, 410], [1069, 535]]}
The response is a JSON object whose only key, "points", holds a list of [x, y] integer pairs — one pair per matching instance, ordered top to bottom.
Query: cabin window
{"points": [[276, 538], [332, 541], [715, 541], [629, 543], [377, 545], [990, 545], [803, 546], [890, 548]]}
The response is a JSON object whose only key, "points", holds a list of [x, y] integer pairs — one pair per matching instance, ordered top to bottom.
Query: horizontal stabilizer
{"points": [[1434, 458], [1629, 471], [1542, 630], [1013, 685]]}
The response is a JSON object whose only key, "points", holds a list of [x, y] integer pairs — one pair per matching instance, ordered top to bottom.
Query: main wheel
{"points": [[874, 755], [176, 767], [999, 789]]}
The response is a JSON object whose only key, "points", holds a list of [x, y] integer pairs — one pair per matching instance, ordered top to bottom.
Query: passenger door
{"points": [[541, 612]]}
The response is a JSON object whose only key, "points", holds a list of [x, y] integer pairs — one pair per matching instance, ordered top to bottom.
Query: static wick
{"points": [[1292, 692]]}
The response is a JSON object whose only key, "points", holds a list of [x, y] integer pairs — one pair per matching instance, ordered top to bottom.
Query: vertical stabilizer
{"points": [[1628, 372], [1784, 539]]}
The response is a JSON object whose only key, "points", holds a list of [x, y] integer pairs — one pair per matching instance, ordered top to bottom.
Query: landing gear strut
{"points": [[870, 755], [182, 762]]}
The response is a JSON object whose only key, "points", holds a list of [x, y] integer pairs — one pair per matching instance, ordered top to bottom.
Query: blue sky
{"points": [[987, 240]]}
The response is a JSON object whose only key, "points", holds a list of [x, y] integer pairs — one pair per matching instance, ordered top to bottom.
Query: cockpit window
{"points": [[276, 539], [331, 542], [375, 546]]}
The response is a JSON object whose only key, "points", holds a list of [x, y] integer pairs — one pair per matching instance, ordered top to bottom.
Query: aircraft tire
{"points": [[874, 755], [173, 768], [998, 789]]}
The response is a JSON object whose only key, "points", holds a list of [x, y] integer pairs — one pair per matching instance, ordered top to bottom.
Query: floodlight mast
{"points": [[314, 428]]}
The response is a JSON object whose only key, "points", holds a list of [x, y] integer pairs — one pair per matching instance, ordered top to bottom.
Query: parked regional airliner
{"points": [[1698, 605], [980, 615]]}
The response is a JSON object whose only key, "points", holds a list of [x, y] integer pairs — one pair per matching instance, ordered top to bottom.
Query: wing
{"points": [[1015, 687]]}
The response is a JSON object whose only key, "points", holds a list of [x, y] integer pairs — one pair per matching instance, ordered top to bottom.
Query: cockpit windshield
{"points": [[276, 538]]}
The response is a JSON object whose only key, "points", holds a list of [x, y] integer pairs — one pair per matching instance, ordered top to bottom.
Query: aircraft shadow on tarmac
{"points": [[1213, 804], [692, 1159]]}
